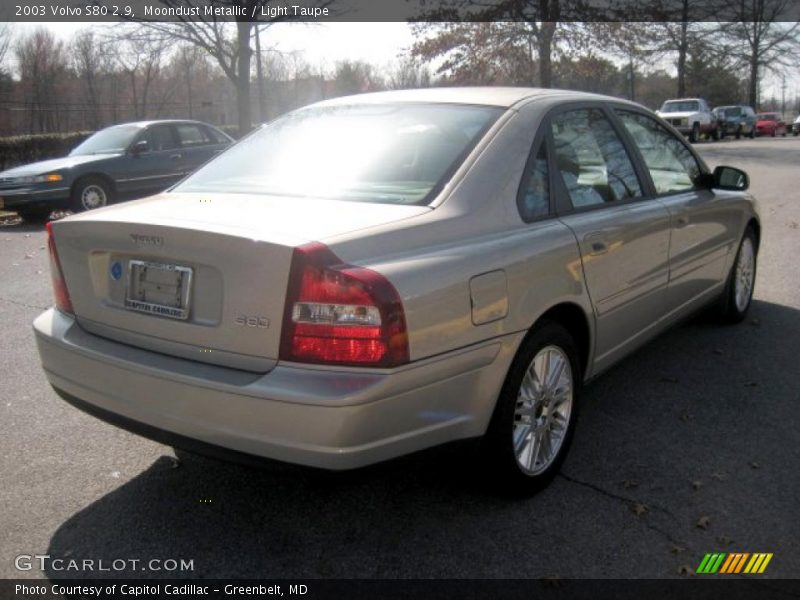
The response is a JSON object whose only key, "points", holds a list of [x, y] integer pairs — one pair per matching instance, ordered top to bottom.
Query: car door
{"points": [[197, 145], [155, 168], [701, 224], [623, 236]]}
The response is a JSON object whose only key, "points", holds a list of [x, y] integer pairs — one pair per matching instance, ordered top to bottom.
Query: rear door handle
{"points": [[175, 156]]}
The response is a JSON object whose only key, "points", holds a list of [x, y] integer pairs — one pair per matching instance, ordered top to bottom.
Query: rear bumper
{"points": [[32, 198], [328, 418]]}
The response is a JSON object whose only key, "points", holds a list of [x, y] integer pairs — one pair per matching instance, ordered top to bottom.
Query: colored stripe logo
{"points": [[736, 562]]}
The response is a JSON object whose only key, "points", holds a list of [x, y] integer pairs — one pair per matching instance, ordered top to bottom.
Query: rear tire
{"points": [[739, 132], [753, 133], [716, 135], [90, 193], [35, 216], [738, 295], [534, 419]]}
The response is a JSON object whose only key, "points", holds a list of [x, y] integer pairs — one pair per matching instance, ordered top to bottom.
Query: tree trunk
{"points": [[546, 33], [683, 47], [243, 76], [752, 84]]}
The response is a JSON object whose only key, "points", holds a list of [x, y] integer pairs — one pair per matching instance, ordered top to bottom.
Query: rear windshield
{"points": [[767, 117], [396, 154]]}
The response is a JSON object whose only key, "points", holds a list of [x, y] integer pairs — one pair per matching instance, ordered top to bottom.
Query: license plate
{"points": [[159, 289]]}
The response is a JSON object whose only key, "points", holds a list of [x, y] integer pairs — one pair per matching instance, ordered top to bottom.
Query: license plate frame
{"points": [[159, 286]]}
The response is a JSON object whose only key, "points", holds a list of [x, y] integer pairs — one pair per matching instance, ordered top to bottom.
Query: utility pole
{"points": [[260, 77]]}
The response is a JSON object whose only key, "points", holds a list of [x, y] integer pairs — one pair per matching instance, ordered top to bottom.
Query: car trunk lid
{"points": [[197, 276]]}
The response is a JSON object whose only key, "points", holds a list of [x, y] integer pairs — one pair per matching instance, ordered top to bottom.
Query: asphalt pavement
{"points": [[692, 445]]}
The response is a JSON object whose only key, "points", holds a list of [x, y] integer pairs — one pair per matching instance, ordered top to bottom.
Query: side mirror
{"points": [[140, 147], [731, 178]]}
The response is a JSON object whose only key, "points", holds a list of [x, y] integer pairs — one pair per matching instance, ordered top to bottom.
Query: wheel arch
{"points": [[99, 175], [754, 224], [574, 319]]}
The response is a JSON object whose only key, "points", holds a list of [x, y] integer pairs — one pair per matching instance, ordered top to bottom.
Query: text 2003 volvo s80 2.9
{"points": [[373, 275]]}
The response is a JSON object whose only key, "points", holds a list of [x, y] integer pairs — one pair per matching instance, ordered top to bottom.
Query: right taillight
{"points": [[60, 292], [341, 314]]}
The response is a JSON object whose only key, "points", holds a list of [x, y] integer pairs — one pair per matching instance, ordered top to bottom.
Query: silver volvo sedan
{"points": [[369, 276]]}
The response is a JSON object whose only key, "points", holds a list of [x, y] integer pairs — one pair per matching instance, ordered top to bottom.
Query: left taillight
{"points": [[63, 303], [340, 314]]}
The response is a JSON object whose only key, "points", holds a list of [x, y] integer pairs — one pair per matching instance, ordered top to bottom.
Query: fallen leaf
{"points": [[793, 225], [27, 235], [28, 256], [755, 322], [717, 351], [669, 379], [751, 384], [686, 417], [175, 462], [754, 465], [115, 474], [719, 475], [630, 483], [697, 484], [639, 509], [703, 522], [676, 549], [685, 570]]}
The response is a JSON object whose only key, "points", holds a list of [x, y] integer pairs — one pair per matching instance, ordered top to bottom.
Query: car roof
{"points": [[504, 97], [143, 124]]}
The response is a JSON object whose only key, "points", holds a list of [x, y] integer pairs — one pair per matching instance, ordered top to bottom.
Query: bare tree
{"points": [[763, 39], [228, 42], [140, 55], [88, 63], [42, 67], [408, 73]]}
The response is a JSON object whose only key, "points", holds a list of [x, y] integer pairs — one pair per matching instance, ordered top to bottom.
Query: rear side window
{"points": [[192, 135], [216, 136], [592, 159], [671, 165], [533, 200]]}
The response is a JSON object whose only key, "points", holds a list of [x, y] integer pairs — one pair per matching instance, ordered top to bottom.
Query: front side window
{"points": [[383, 153], [592, 160], [671, 165]]}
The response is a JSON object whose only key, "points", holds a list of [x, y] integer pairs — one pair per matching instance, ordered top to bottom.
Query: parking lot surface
{"points": [[691, 445]]}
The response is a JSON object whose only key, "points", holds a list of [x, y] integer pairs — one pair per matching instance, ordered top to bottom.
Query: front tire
{"points": [[694, 135], [90, 193], [738, 294], [535, 416]]}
